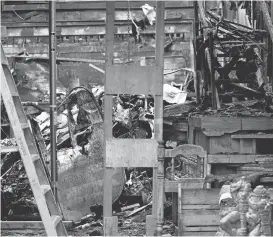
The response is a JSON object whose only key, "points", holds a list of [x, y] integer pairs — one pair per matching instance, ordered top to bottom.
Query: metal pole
{"points": [[53, 110]]}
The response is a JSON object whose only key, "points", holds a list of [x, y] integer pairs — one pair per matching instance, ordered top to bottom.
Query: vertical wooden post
{"points": [[271, 3], [159, 58], [212, 72], [53, 107], [109, 222]]}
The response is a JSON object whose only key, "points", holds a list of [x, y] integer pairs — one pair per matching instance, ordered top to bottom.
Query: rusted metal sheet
{"points": [[133, 79], [131, 153]]}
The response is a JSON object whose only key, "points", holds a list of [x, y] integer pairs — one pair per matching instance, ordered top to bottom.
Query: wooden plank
{"points": [[92, 5], [70, 17], [170, 28], [4, 32], [66, 49], [133, 79], [257, 123], [217, 126], [253, 135], [223, 144], [247, 146], [8, 149], [186, 150], [131, 153], [264, 158], [230, 159], [158, 171], [187, 183], [200, 196], [199, 207], [200, 218], [22, 225], [150, 225], [112, 226], [201, 228], [199, 233]]}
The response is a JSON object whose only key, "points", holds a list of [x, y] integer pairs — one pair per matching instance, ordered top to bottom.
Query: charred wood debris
{"points": [[243, 90]]}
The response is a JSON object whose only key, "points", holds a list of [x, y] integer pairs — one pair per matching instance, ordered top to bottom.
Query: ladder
{"points": [[133, 80], [39, 182]]}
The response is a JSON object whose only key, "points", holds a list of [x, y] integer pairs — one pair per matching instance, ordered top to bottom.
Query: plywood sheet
{"points": [[134, 79], [217, 126], [223, 144], [131, 153], [200, 196], [200, 217]]}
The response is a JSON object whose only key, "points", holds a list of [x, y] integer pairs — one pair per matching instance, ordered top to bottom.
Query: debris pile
{"points": [[229, 55], [244, 211]]}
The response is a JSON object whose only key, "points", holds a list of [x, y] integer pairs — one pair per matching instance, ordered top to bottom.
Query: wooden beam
{"points": [[96, 5], [92, 16], [267, 18], [42, 31], [4, 32], [252, 136], [238, 158], [187, 183], [23, 225], [110, 225]]}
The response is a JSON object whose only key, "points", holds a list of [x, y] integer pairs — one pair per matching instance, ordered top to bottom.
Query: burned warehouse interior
{"points": [[136, 118]]}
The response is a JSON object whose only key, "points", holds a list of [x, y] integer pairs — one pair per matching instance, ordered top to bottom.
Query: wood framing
{"points": [[134, 79]]}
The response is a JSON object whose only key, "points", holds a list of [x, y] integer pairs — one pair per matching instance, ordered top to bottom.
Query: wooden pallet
{"points": [[198, 212]]}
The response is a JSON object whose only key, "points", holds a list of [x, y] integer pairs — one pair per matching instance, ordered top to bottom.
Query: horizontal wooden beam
{"points": [[94, 5], [91, 16], [170, 28], [85, 47], [218, 126], [252, 136], [238, 158], [187, 183], [20, 225], [200, 228]]}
